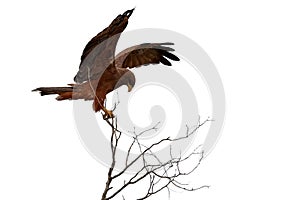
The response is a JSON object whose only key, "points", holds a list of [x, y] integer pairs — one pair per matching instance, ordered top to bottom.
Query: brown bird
{"points": [[101, 72]]}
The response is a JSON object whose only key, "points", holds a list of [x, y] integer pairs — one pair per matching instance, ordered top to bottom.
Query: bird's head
{"points": [[127, 79], [130, 80]]}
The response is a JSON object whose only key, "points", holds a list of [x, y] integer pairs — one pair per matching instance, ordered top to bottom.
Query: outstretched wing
{"points": [[99, 51], [145, 54]]}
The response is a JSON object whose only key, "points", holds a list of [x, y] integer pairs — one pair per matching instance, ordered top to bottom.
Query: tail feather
{"points": [[63, 92]]}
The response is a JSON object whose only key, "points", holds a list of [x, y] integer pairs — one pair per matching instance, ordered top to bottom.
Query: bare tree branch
{"points": [[161, 175]]}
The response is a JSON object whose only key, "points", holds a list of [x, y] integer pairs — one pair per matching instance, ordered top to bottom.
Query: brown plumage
{"points": [[100, 71]]}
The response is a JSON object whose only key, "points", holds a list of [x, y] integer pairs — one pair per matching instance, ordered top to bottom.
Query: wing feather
{"points": [[99, 52], [145, 54]]}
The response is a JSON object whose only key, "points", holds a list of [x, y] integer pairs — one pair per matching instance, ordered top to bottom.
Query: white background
{"points": [[254, 44]]}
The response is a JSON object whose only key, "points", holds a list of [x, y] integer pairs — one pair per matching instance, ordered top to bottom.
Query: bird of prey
{"points": [[101, 72]]}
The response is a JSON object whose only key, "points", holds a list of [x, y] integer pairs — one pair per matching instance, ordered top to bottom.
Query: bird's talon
{"points": [[108, 115]]}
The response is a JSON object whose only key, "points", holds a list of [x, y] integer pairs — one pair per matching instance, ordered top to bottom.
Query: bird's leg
{"points": [[98, 105], [108, 114]]}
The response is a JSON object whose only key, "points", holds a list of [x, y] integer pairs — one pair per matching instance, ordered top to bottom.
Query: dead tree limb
{"points": [[162, 175]]}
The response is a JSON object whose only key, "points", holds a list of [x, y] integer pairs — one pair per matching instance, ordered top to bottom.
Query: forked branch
{"points": [[161, 174]]}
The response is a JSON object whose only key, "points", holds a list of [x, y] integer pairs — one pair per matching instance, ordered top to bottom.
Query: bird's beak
{"points": [[129, 87]]}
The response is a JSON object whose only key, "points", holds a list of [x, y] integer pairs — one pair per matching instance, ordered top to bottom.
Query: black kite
{"points": [[100, 71]]}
